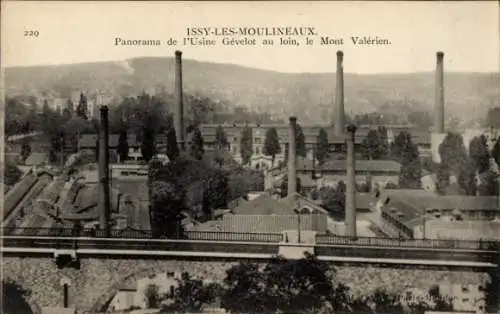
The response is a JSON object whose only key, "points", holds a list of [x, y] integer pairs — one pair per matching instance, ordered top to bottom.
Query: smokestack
{"points": [[439, 101], [179, 107], [339, 123], [292, 163], [350, 196], [104, 199]]}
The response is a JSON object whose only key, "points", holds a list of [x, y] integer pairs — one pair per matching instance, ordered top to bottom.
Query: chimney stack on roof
{"points": [[439, 94], [179, 105], [339, 120], [292, 160], [350, 196], [104, 197]]}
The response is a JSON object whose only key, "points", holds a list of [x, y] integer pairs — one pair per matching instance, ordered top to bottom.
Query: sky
{"points": [[75, 32]]}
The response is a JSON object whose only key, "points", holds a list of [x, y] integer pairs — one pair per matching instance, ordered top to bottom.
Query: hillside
{"points": [[310, 96]]}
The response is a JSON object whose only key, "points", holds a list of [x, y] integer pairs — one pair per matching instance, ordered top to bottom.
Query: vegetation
{"points": [[221, 141], [246, 145], [272, 145], [322, 146], [375, 146], [196, 147], [122, 148], [406, 152], [465, 168], [284, 186], [333, 199], [306, 285], [190, 295], [152, 296], [14, 298]]}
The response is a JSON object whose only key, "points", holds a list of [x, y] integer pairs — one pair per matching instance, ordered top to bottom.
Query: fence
{"points": [[273, 223], [145, 234], [258, 237], [410, 243]]}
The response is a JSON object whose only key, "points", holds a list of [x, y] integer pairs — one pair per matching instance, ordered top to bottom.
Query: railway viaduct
{"points": [[96, 268]]}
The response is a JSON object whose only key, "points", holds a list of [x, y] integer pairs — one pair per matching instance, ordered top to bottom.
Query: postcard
{"points": [[250, 157]]}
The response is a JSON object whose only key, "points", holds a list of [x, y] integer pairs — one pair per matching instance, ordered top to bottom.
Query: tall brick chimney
{"points": [[439, 94], [179, 105], [339, 120], [292, 161], [350, 195], [104, 198]]}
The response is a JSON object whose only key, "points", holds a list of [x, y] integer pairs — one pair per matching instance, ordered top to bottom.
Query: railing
{"points": [[144, 234], [220, 236], [409, 243], [47, 244]]}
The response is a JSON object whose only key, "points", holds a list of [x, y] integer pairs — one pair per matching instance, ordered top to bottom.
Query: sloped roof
{"points": [[263, 205]]}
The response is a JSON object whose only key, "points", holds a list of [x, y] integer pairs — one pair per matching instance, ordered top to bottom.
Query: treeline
{"points": [[463, 172], [286, 286]]}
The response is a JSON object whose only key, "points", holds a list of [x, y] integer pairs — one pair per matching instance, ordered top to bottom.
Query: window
{"points": [[258, 140]]}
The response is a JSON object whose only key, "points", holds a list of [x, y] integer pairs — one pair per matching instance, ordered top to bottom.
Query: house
{"points": [[260, 160], [379, 172], [265, 214], [421, 215]]}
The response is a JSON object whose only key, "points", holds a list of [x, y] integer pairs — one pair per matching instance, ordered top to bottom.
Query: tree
{"points": [[70, 107], [81, 108], [493, 117], [73, 129], [220, 138], [300, 141], [57, 142], [148, 143], [246, 145], [272, 145], [322, 146], [373, 146], [122, 147], [172, 147], [196, 148], [97, 149], [25, 150], [406, 152], [496, 152], [479, 154], [454, 158], [12, 174], [488, 185], [284, 186], [216, 194], [333, 199], [168, 200], [286, 286], [245, 289], [191, 294], [152, 296], [14, 298]]}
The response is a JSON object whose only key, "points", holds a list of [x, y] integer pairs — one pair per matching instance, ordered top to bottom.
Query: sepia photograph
{"points": [[319, 157]]}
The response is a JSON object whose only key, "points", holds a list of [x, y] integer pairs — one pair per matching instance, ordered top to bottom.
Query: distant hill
{"points": [[309, 96]]}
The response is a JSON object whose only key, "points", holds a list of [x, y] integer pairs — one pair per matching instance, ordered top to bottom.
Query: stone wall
{"points": [[98, 279]]}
